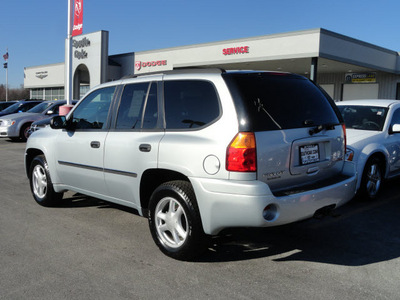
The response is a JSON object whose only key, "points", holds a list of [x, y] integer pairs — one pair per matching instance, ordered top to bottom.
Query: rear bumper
{"points": [[227, 203]]}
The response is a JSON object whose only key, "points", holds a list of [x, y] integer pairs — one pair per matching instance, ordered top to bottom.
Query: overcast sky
{"points": [[34, 31]]}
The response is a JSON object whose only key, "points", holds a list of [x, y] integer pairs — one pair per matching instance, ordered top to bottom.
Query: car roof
{"points": [[29, 100], [369, 102]]}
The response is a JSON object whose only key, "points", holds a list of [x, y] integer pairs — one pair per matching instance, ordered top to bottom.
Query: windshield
{"points": [[40, 107], [11, 109], [364, 117]]}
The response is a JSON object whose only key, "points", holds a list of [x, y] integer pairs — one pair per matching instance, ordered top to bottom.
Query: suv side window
{"points": [[190, 103], [138, 107], [92, 112]]}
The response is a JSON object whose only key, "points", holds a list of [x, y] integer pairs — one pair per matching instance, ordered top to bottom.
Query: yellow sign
{"points": [[360, 77]]}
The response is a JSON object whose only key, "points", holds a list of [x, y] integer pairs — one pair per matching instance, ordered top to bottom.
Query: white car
{"points": [[373, 141]]}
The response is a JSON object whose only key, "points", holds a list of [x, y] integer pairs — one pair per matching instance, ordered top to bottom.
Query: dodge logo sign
{"points": [[155, 63], [138, 65]]}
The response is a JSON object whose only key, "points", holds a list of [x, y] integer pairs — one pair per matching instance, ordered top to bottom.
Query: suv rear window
{"points": [[274, 101]]}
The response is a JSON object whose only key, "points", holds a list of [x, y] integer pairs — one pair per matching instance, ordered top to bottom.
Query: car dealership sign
{"points": [[78, 18], [236, 50], [80, 53], [149, 64], [42, 74], [360, 77]]}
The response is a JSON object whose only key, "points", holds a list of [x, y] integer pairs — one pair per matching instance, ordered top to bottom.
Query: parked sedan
{"points": [[20, 106], [16, 126], [35, 126], [373, 141]]}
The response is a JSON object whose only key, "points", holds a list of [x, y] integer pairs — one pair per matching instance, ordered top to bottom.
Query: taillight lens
{"points": [[241, 154]]}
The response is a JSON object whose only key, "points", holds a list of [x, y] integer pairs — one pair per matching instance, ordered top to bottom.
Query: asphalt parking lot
{"points": [[90, 249]]}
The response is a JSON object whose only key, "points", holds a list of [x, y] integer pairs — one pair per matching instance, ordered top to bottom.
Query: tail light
{"points": [[241, 153]]}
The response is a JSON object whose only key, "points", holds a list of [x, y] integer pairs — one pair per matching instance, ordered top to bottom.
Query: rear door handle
{"points": [[95, 144], [145, 147]]}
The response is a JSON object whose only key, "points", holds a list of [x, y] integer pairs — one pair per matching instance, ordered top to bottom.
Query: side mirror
{"points": [[50, 112], [59, 122], [395, 128]]}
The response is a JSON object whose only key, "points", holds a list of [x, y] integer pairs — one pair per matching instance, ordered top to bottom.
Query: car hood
{"points": [[20, 116], [354, 135]]}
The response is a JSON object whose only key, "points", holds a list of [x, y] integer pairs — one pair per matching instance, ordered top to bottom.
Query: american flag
{"points": [[5, 56]]}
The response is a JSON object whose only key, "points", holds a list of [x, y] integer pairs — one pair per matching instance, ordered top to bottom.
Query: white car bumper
{"points": [[227, 203]]}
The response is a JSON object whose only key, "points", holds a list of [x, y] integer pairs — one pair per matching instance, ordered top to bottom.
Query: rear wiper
{"points": [[260, 107], [319, 128]]}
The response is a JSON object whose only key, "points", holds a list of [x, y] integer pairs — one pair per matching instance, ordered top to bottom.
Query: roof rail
{"points": [[182, 70]]}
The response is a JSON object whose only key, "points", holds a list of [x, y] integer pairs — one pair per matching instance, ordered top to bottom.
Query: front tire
{"points": [[23, 135], [372, 178], [41, 184], [175, 222]]}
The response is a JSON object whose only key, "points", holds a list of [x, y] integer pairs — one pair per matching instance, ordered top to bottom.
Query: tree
{"points": [[13, 94]]}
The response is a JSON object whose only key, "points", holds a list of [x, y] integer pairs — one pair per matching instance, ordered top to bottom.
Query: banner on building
{"points": [[78, 18], [360, 77]]}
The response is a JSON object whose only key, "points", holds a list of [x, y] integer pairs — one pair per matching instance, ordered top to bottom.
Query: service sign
{"points": [[236, 50]]}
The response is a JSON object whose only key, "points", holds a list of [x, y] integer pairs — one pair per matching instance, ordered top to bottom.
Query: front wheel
{"points": [[23, 135], [372, 178], [41, 185], [175, 222]]}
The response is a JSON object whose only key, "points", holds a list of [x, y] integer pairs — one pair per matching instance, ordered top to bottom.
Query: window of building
{"points": [[83, 89], [48, 93], [37, 94]]}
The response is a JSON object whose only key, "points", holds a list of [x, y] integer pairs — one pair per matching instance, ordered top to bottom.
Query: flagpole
{"points": [[69, 56], [7, 77], [7, 83], [64, 109]]}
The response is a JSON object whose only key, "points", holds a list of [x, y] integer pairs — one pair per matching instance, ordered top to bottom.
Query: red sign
{"points": [[78, 18], [235, 50], [154, 63]]}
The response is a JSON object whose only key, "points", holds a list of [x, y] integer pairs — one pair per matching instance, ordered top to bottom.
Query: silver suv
{"points": [[197, 151]]}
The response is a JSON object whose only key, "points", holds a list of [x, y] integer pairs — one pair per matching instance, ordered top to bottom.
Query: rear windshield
{"points": [[269, 101]]}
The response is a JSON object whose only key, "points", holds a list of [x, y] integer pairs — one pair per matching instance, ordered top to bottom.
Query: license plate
{"points": [[309, 154]]}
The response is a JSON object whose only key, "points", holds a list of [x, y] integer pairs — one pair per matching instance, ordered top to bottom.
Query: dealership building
{"points": [[345, 67]]}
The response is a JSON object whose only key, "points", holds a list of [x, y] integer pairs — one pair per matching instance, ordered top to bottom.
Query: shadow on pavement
{"points": [[80, 200], [361, 233]]}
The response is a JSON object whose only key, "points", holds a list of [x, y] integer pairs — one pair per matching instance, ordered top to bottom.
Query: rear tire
{"points": [[372, 178], [41, 184], [175, 222]]}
